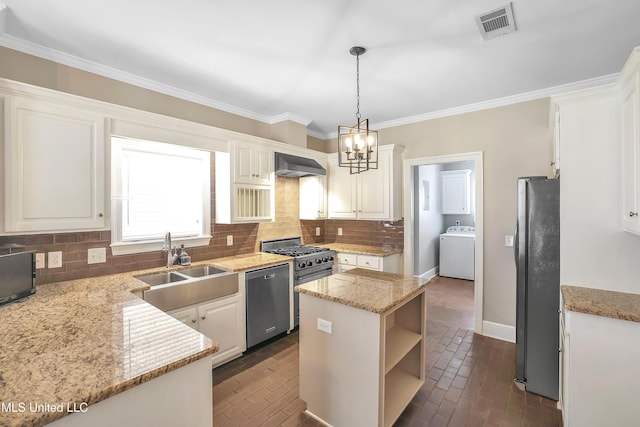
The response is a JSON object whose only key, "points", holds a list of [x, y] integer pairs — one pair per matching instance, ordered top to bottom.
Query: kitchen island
{"points": [[362, 337], [92, 350]]}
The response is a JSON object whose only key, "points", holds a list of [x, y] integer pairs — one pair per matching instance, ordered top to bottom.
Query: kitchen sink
{"points": [[200, 271], [161, 278], [175, 289]]}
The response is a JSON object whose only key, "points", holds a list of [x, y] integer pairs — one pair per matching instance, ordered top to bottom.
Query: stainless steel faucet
{"points": [[166, 246]]}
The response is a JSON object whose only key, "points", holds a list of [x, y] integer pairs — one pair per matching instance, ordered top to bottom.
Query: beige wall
{"points": [[516, 140]]}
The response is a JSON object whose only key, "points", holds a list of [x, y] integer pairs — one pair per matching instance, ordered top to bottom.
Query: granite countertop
{"points": [[359, 249], [248, 261], [368, 290], [617, 305], [85, 340]]}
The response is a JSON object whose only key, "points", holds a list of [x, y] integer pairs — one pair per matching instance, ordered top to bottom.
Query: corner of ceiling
{"points": [[3, 19]]}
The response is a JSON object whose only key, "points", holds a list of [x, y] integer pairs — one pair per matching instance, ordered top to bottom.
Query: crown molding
{"points": [[113, 73], [122, 76], [555, 91], [289, 117]]}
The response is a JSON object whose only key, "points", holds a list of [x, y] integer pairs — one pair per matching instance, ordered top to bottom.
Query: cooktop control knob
{"points": [[309, 263], [302, 265]]}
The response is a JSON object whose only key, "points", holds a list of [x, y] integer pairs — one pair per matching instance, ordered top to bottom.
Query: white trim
{"points": [[3, 18], [122, 76], [498, 102], [289, 117], [477, 158], [140, 247], [428, 275], [499, 331]]}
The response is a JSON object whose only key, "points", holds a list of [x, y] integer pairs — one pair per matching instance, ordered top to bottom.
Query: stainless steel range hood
{"points": [[290, 165]]}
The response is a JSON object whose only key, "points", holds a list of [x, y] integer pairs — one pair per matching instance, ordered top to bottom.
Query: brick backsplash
{"points": [[246, 239]]}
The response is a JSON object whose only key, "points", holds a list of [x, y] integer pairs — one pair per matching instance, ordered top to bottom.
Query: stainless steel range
{"points": [[310, 263]]}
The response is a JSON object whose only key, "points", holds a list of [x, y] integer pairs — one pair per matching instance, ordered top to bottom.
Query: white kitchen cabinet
{"points": [[630, 134], [54, 163], [253, 164], [245, 184], [455, 192], [375, 194], [313, 197], [347, 261], [188, 316], [222, 320], [599, 365]]}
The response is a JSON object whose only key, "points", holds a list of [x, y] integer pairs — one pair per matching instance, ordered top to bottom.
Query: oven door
{"points": [[301, 277]]}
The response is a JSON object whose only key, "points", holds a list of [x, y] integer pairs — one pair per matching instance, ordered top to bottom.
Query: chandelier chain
{"points": [[358, 87]]}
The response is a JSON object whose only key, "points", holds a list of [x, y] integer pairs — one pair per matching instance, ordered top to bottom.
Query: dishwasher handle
{"points": [[269, 276]]}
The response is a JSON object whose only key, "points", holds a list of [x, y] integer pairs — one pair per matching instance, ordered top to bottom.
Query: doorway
{"points": [[418, 190]]}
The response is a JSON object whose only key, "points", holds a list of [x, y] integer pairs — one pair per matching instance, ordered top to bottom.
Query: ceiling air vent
{"points": [[496, 23]]}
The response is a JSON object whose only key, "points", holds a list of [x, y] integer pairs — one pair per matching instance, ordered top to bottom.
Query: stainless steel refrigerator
{"points": [[537, 255]]}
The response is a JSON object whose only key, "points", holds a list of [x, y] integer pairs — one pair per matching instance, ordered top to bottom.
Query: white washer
{"points": [[457, 252]]}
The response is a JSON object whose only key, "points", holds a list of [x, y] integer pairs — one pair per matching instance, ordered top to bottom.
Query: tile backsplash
{"points": [[246, 239]]}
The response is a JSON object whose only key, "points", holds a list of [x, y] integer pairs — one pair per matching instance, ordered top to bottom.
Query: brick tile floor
{"points": [[469, 378]]}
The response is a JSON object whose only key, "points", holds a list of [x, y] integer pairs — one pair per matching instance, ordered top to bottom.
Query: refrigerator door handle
{"points": [[515, 244]]}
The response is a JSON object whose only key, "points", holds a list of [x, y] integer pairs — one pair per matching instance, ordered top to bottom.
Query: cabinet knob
{"points": [[353, 211], [632, 214], [100, 215], [203, 317], [193, 320]]}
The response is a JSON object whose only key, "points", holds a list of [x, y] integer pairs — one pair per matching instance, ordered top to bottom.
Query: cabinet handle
{"points": [[632, 214], [193, 320]]}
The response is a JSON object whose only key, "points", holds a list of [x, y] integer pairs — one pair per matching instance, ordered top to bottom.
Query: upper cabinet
{"points": [[630, 134], [54, 163], [252, 164], [245, 184], [455, 192], [375, 194], [313, 197]]}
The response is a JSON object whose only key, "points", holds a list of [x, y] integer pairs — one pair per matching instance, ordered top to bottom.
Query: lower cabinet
{"points": [[389, 263], [222, 320], [599, 384]]}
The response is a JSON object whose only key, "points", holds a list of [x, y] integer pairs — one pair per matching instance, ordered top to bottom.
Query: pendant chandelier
{"points": [[357, 145]]}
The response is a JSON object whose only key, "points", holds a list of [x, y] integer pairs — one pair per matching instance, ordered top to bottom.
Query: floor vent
{"points": [[496, 23]]}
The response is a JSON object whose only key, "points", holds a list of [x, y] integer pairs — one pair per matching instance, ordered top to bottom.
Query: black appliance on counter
{"points": [[537, 255], [310, 263], [17, 276]]}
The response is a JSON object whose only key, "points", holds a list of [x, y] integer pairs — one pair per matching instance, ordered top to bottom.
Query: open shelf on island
{"points": [[399, 342], [399, 389]]}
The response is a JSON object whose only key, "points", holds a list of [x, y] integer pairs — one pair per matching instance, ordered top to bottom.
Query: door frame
{"points": [[409, 200]]}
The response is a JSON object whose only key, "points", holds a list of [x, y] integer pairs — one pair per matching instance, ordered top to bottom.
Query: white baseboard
{"points": [[428, 275], [499, 331]]}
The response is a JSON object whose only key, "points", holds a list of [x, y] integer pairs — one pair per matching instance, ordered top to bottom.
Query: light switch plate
{"points": [[317, 231], [339, 231], [230, 240], [508, 240], [96, 255], [54, 259], [40, 260], [325, 325]]}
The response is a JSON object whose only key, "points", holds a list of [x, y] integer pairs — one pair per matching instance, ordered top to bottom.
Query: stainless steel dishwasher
{"points": [[267, 296]]}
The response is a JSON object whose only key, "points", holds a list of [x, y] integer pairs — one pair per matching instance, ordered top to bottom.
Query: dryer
{"points": [[457, 252]]}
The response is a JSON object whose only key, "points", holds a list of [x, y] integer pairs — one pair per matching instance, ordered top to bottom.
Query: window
{"points": [[155, 188]]}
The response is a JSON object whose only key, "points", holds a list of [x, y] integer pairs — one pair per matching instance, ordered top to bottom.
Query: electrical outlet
{"points": [[317, 231], [339, 231], [230, 240], [508, 240], [96, 255], [55, 259], [40, 260], [325, 325]]}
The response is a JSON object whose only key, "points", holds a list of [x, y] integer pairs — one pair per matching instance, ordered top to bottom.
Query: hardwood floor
{"points": [[469, 378]]}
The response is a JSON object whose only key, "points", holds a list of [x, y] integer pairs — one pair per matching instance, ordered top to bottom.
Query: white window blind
{"points": [[156, 188]]}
